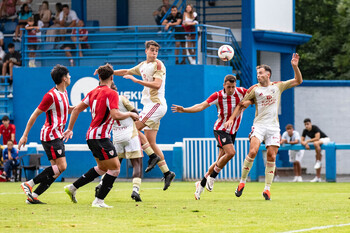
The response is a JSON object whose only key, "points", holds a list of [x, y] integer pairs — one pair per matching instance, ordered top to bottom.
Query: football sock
{"points": [[148, 150], [247, 165], [163, 166], [216, 171], [269, 173], [45, 175], [86, 178], [204, 182], [31, 183], [107, 184], [136, 184], [43, 186]]}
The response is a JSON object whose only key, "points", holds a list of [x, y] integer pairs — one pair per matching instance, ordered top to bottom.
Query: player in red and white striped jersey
{"points": [[225, 101], [103, 102], [56, 106]]}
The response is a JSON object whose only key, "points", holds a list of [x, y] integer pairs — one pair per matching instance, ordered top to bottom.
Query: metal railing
{"points": [[5, 97]]}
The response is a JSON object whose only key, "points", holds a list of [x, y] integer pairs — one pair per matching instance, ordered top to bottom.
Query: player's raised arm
{"points": [[298, 78], [155, 84], [192, 109], [30, 124]]}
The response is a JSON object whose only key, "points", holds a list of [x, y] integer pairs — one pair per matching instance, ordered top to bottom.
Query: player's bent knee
{"points": [[113, 172]]}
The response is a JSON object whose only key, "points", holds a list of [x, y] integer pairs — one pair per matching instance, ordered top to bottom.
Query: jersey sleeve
{"points": [[135, 70], [159, 71], [285, 85], [250, 94], [86, 99], [213, 99], [113, 100], [46, 102], [127, 103], [13, 129], [304, 133], [284, 135], [297, 135]]}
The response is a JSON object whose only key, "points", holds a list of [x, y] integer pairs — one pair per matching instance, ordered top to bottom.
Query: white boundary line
{"points": [[318, 228]]}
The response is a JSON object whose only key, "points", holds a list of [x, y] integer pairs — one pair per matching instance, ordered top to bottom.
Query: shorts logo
{"points": [[224, 140], [59, 151], [111, 152]]}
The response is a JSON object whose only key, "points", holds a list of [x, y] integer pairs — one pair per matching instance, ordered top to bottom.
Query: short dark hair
{"points": [[65, 5], [174, 7], [149, 43], [10, 45], [266, 67], [58, 72], [104, 72], [231, 78], [5, 118], [307, 120], [289, 126]]}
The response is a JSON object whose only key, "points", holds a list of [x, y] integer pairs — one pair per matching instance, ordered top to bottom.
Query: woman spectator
{"points": [[8, 9], [45, 14], [23, 16], [189, 21], [56, 24], [33, 28]]}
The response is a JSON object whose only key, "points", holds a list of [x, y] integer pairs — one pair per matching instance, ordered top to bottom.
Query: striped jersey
{"points": [[149, 72], [101, 100], [267, 101], [55, 104], [225, 105]]}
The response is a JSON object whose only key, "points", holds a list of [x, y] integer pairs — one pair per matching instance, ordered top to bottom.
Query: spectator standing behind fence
{"points": [[8, 9], [161, 11], [45, 14], [23, 17], [174, 20], [189, 21], [56, 24], [33, 29], [82, 37], [12, 58], [7, 131], [290, 136], [317, 137], [11, 160]]}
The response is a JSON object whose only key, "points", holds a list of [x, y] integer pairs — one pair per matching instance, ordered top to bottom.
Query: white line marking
{"points": [[318, 228]]}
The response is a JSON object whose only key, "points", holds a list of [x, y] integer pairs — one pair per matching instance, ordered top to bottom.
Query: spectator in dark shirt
{"points": [[161, 11], [174, 20], [12, 58], [7, 130], [317, 137], [10, 158]]}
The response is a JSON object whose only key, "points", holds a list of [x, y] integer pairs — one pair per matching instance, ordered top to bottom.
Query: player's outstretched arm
{"points": [[298, 78], [155, 84], [70, 109], [192, 109], [238, 109], [118, 115], [30, 124], [68, 134]]}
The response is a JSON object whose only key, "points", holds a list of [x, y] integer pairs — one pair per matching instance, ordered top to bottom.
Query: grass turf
{"points": [[293, 206]]}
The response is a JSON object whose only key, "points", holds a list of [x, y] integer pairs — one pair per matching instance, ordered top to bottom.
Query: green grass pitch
{"points": [[294, 206]]}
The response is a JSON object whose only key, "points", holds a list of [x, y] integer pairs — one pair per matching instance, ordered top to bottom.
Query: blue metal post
{"points": [[331, 162]]}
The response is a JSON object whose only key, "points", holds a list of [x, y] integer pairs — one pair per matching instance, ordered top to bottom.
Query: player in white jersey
{"points": [[153, 75], [266, 96], [225, 101], [292, 137], [128, 145]]}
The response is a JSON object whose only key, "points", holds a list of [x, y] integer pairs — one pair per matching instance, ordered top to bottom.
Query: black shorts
{"points": [[180, 36], [224, 138], [54, 149], [102, 149]]}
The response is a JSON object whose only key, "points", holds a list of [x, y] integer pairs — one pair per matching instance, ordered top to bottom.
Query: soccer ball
{"points": [[226, 52]]}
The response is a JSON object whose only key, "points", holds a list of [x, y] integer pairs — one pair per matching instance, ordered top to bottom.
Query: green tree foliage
{"points": [[327, 55]]}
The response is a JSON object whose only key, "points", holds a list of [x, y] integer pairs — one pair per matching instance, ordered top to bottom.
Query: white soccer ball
{"points": [[226, 52]]}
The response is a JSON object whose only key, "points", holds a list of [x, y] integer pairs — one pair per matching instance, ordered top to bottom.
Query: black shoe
{"points": [[177, 62], [183, 62], [152, 162], [168, 179], [97, 189], [239, 189], [136, 196], [34, 201]]}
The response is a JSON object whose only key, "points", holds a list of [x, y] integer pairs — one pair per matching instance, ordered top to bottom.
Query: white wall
{"points": [[104, 11], [274, 15], [274, 61], [329, 109]]}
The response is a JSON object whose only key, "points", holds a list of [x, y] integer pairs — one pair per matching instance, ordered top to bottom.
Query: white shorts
{"points": [[151, 115], [271, 136], [325, 141], [130, 149], [295, 155]]}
